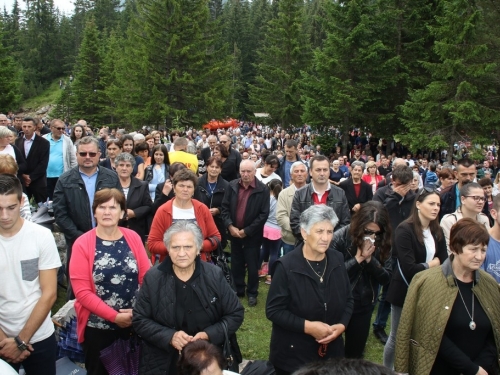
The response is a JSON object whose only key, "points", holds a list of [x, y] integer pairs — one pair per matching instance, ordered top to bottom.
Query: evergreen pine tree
{"points": [[237, 37], [282, 57], [350, 70], [177, 72], [108, 76], [9, 79], [87, 88], [459, 99]]}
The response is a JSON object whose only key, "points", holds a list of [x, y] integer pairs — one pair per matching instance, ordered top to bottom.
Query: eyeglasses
{"points": [[60, 129], [91, 154], [426, 189], [476, 198], [370, 232]]}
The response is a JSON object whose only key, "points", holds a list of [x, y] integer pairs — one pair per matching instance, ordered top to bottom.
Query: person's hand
{"points": [[26, 179], [167, 187], [402, 189], [356, 207], [214, 211], [130, 213], [233, 231], [242, 233], [365, 252], [434, 262], [124, 318], [318, 330], [337, 330], [200, 336], [180, 339], [11, 353], [481, 371]]}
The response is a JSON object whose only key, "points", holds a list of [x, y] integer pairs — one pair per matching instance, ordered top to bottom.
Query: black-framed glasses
{"points": [[60, 129], [91, 154], [426, 189], [476, 198], [370, 232]]}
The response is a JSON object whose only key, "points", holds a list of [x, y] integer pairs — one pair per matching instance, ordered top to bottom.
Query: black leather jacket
{"points": [[303, 200], [364, 277]]}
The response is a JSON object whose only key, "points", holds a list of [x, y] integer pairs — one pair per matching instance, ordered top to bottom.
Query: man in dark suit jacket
{"points": [[36, 150], [207, 151]]}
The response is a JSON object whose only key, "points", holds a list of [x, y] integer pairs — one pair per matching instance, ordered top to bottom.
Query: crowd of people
{"points": [[333, 232]]}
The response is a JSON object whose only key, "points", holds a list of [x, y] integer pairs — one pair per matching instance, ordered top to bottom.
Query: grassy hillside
{"points": [[48, 96]]}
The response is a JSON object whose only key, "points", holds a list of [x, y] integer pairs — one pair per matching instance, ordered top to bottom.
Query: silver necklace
{"points": [[212, 189], [320, 277], [472, 324]]}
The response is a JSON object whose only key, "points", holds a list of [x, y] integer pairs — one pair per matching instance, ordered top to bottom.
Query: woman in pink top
{"points": [[106, 270]]}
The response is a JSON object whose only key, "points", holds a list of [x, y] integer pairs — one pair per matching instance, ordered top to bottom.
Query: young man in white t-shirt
{"points": [[28, 286]]}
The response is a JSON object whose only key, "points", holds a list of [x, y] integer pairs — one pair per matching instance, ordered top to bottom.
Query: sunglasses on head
{"points": [[91, 154], [426, 189]]}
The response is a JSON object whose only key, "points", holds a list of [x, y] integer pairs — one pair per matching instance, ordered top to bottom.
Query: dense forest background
{"points": [[425, 71]]}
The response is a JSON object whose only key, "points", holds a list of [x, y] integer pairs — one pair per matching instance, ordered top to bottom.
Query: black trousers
{"points": [[51, 185], [37, 191], [241, 254], [357, 331], [97, 340], [42, 361], [281, 372]]}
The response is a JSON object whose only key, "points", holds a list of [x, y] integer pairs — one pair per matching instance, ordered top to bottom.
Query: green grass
{"points": [[48, 96]]}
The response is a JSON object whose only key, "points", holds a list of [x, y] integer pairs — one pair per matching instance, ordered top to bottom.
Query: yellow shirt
{"points": [[189, 160]]}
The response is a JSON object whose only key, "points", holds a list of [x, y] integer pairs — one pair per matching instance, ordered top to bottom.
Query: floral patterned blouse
{"points": [[116, 278]]}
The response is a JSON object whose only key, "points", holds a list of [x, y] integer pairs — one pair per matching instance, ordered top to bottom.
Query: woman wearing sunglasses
{"points": [[472, 200], [420, 244], [366, 245]]}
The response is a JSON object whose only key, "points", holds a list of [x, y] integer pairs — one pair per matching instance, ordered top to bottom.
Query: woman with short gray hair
{"points": [[136, 192], [181, 301], [309, 301]]}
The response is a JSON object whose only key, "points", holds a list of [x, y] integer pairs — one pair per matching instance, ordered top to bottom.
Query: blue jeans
{"points": [[286, 247], [270, 249], [384, 307]]}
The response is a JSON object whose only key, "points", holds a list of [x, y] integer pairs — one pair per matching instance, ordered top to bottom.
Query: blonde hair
{"points": [[370, 164], [8, 165]]}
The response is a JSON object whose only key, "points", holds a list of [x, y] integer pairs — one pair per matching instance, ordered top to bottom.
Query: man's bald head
{"points": [[399, 161]]}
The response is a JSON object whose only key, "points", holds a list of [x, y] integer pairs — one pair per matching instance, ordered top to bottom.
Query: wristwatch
{"points": [[21, 345]]}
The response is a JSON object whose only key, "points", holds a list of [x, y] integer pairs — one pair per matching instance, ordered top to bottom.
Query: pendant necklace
{"points": [[212, 186], [320, 276], [472, 324]]}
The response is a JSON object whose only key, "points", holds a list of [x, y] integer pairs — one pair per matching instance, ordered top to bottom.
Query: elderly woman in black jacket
{"points": [[210, 191], [366, 245], [310, 300], [181, 301]]}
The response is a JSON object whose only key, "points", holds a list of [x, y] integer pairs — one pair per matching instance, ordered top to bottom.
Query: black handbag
{"points": [[219, 258], [231, 350]]}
